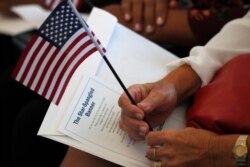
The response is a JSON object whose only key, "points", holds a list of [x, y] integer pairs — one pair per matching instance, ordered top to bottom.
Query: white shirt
{"points": [[233, 40]]}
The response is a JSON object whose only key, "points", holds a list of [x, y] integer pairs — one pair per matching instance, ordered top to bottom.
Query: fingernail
{"points": [[172, 4], [127, 17], [159, 21], [137, 27], [149, 28], [143, 106], [139, 116], [142, 131]]}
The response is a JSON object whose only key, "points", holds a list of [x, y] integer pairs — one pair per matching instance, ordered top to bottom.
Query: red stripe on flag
{"points": [[23, 56], [32, 60], [61, 60], [38, 66], [46, 68], [72, 72], [59, 79]]}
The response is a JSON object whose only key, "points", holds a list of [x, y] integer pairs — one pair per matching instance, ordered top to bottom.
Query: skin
{"points": [[149, 12], [165, 31], [155, 101], [191, 147]]}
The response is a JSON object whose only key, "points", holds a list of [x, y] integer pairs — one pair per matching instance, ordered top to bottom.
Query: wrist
{"points": [[185, 80], [167, 90], [220, 151]]}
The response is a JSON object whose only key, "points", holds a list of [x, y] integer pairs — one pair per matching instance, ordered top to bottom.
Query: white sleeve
{"points": [[231, 41]]}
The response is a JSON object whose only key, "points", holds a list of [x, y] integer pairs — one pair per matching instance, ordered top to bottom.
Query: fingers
{"points": [[173, 3], [126, 6], [133, 10], [137, 12], [161, 12], [145, 14], [149, 16], [136, 91], [153, 100], [150, 101], [132, 116], [133, 125], [136, 129], [160, 138], [180, 147], [152, 153], [159, 153], [156, 154]]}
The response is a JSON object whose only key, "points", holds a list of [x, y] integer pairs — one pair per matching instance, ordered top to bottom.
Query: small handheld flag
{"points": [[54, 53], [50, 59]]}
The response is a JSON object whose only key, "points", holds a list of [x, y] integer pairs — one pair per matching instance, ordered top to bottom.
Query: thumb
{"points": [[151, 102]]}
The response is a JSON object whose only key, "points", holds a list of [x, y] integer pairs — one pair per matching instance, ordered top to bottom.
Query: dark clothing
{"points": [[207, 17], [22, 112], [27, 147]]}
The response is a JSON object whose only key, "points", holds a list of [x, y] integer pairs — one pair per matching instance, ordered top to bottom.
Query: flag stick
{"points": [[84, 24]]}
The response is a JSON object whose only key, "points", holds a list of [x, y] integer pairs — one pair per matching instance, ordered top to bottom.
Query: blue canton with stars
{"points": [[60, 25]]}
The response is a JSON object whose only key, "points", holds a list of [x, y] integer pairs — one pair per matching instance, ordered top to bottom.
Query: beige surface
{"points": [[13, 25]]}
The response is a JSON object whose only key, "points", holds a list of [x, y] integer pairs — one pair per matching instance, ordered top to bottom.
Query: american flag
{"points": [[51, 4], [54, 53]]}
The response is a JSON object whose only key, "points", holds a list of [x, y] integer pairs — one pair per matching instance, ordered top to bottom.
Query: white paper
{"points": [[34, 14], [13, 25], [93, 119]]}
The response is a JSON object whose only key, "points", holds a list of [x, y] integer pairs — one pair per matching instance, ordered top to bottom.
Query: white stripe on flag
{"points": [[27, 59], [34, 64], [41, 68], [69, 69], [59, 70]]}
